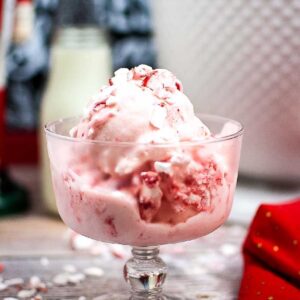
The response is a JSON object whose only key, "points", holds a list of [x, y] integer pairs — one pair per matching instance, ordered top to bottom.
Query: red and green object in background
{"points": [[2, 97], [22, 144], [13, 197], [272, 254]]}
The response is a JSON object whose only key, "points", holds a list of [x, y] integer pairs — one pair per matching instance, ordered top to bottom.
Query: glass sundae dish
{"points": [[139, 168]]}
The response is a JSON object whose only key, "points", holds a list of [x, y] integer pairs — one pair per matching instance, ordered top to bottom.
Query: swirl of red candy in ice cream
{"points": [[162, 82]]}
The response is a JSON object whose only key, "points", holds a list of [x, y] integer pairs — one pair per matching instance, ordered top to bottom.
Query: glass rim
{"points": [[237, 133]]}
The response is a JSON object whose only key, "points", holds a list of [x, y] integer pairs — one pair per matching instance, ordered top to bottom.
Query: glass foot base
{"points": [[146, 273]]}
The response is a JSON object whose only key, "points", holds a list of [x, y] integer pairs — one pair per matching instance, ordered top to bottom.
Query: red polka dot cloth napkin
{"points": [[272, 254]]}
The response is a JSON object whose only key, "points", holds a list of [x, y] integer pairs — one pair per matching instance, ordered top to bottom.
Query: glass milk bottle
{"points": [[80, 65]]}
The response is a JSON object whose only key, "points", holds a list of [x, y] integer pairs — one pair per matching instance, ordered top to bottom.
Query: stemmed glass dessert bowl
{"points": [[143, 194]]}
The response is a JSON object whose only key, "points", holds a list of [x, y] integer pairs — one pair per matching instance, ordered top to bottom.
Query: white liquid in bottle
{"points": [[80, 65]]}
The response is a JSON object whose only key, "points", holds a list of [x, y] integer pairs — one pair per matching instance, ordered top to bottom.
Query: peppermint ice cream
{"points": [[140, 167]]}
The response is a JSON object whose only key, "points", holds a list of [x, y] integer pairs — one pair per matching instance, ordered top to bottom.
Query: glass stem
{"points": [[146, 273]]}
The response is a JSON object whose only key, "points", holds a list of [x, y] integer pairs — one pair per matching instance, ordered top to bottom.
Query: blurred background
{"points": [[239, 59]]}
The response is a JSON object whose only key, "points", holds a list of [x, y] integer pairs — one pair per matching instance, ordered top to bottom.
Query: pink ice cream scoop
{"points": [[141, 105], [140, 167]]}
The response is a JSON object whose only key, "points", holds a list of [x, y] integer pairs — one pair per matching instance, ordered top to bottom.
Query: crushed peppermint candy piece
{"points": [[141, 71], [121, 72], [121, 75], [163, 83], [105, 93], [111, 101], [158, 116], [99, 120], [73, 132], [91, 132], [179, 159], [126, 165], [163, 167], [151, 179], [150, 195], [194, 198], [149, 201], [80, 242], [229, 249], [117, 251], [44, 261], [1, 267], [69, 268], [93, 271], [66, 278], [76, 278], [61, 279], [14, 281], [36, 283], [3, 286], [26, 293], [37, 297], [82, 298]]}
